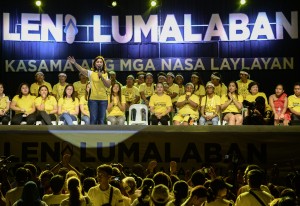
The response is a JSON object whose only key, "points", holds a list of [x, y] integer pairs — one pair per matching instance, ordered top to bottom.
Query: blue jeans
{"points": [[97, 110], [67, 118], [86, 119], [214, 120]]}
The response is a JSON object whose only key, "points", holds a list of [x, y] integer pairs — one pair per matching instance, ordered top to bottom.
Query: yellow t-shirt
{"points": [[34, 87], [243, 87], [80, 88], [98, 89], [174, 89], [58, 90], [220, 90], [148, 91], [181, 91], [200, 91], [130, 93], [251, 98], [3, 102], [25, 102], [50, 102], [84, 102], [294, 102], [160, 103], [211, 103], [67, 104], [231, 107], [188, 109], [116, 111]]}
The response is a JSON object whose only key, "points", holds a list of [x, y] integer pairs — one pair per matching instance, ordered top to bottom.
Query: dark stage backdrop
{"points": [[179, 36]]}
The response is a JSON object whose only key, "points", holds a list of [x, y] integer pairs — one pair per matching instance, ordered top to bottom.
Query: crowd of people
{"points": [[98, 97], [111, 185]]}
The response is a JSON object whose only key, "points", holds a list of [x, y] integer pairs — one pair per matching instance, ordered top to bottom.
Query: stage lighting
{"points": [[242, 2], [38, 3], [114, 3], [153, 3]]}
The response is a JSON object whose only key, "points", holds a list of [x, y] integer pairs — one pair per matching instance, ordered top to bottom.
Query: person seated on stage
{"points": [[161, 77], [39, 78], [140, 79], [113, 80], [179, 80], [244, 82], [80, 86], [220, 87], [199, 88], [58, 89], [147, 89], [173, 89], [130, 92], [294, 104], [23, 105], [187, 105], [231, 105], [279, 105], [4, 106], [46, 106], [68, 106], [116, 106], [160, 106], [210, 106], [84, 107], [259, 111]]}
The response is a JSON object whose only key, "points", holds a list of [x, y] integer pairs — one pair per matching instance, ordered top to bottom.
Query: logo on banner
{"points": [[70, 29]]}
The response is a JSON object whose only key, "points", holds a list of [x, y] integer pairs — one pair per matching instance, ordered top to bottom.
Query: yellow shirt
{"points": [[243, 87], [34, 88], [80, 88], [98, 89], [174, 89], [58, 90], [220, 90], [148, 91], [181, 91], [200, 91], [130, 93], [251, 98], [3, 102], [25, 102], [50, 102], [84, 102], [294, 102], [160, 103], [211, 103], [67, 104], [231, 107], [188, 109], [116, 111]]}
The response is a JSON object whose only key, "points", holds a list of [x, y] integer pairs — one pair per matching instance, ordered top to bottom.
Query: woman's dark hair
{"points": [[103, 69], [200, 82], [251, 85], [41, 88], [20, 89], [236, 91], [119, 92], [73, 93], [162, 178], [146, 188], [74, 190], [180, 191], [30, 195]]}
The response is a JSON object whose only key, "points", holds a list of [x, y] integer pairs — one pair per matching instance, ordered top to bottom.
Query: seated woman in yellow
{"points": [[220, 87], [147, 89], [23, 105], [83, 105], [231, 105], [4, 106], [46, 106], [68, 106], [116, 106], [160, 106], [210, 106], [188, 107]]}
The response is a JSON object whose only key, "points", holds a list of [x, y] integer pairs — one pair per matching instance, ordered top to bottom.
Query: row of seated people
{"points": [[188, 106]]}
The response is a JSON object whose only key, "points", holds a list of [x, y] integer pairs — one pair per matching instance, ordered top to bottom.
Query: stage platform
{"points": [[189, 146]]}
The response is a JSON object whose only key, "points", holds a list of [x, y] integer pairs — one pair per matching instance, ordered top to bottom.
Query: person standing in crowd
{"points": [[161, 77], [39, 78], [140, 79], [113, 80], [179, 80], [99, 81], [244, 82], [80, 86], [220, 87], [58, 89], [147, 89], [199, 89], [173, 90], [130, 92], [294, 103], [23, 105], [83, 105], [187, 105], [231, 105], [279, 105], [4, 106], [46, 106], [68, 106], [116, 106], [160, 106], [210, 106], [56, 183], [181, 191], [160, 195], [197, 197]]}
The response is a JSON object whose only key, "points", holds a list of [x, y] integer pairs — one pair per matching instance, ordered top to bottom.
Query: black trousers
{"points": [[18, 118], [45, 118], [5, 119], [163, 120]]}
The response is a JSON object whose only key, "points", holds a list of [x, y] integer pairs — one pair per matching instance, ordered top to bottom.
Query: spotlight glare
{"points": [[243, 2], [38, 3], [114, 3], [153, 3]]}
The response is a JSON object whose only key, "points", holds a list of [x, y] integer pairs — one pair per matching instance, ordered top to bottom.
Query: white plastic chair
{"points": [[141, 118]]}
